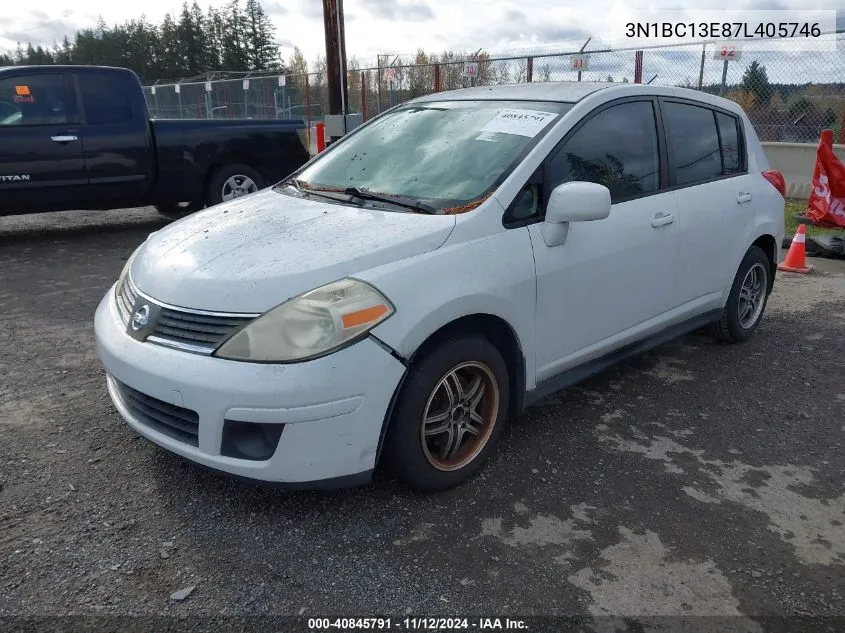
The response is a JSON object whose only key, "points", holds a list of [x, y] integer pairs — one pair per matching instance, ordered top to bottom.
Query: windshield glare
{"points": [[448, 154]]}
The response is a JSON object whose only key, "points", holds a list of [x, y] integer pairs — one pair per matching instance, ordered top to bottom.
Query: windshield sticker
{"points": [[23, 95], [518, 122]]}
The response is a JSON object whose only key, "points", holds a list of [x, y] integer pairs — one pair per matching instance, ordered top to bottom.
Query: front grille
{"points": [[126, 296], [189, 330], [197, 330], [177, 422]]}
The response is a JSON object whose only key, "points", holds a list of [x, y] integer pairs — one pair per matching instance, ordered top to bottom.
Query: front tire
{"points": [[747, 300], [449, 414]]}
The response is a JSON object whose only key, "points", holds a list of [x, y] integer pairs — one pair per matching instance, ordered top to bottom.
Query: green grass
{"points": [[794, 206]]}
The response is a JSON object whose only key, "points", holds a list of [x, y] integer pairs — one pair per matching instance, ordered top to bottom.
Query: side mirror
{"points": [[574, 202]]}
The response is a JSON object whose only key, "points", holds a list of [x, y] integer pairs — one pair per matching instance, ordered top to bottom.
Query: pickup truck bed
{"points": [[80, 137]]}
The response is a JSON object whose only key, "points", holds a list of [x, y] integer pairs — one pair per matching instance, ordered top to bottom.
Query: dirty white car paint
{"points": [[575, 284]]}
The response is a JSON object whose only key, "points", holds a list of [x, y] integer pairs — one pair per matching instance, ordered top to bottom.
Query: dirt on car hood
{"points": [[251, 254]]}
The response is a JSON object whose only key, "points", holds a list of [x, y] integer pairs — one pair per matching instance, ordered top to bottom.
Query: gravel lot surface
{"points": [[699, 480]]}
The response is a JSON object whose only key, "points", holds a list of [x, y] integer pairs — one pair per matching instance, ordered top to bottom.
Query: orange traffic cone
{"points": [[795, 261]]}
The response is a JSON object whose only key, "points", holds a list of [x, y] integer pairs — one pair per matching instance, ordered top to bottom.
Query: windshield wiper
{"points": [[307, 190], [408, 203]]}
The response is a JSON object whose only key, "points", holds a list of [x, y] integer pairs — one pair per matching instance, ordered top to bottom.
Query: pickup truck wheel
{"points": [[233, 181], [177, 210], [449, 414]]}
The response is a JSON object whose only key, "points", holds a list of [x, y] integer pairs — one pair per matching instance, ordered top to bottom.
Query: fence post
{"points": [[638, 67], [701, 72], [529, 73], [438, 85], [363, 96], [308, 103], [841, 135]]}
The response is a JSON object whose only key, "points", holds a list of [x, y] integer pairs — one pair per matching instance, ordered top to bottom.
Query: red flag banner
{"points": [[826, 206]]}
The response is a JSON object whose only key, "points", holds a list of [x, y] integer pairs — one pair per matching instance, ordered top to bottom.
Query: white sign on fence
{"points": [[728, 51], [579, 62], [470, 69], [390, 74], [281, 80], [246, 84], [208, 86], [177, 88], [152, 89]]}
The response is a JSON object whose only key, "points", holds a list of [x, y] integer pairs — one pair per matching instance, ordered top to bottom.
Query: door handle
{"points": [[63, 139], [743, 198], [662, 219]]}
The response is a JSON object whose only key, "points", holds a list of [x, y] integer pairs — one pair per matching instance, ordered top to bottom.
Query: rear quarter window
{"points": [[729, 136]]}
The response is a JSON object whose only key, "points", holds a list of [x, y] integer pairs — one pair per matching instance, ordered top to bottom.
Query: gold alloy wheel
{"points": [[459, 416]]}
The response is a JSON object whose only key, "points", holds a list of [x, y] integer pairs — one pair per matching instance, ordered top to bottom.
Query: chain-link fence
{"points": [[790, 95]]}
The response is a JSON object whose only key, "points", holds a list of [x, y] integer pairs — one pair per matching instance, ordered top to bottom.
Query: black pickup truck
{"points": [[80, 137]]}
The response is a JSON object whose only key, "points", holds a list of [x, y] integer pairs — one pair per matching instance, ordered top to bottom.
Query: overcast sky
{"points": [[396, 26]]}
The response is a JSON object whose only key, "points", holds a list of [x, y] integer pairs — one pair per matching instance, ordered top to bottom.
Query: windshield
{"points": [[447, 154]]}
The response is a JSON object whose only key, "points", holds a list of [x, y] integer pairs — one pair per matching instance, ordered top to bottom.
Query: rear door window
{"points": [[40, 99], [105, 99], [693, 142]]}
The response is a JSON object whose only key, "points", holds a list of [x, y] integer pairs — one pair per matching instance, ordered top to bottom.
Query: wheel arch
{"points": [[768, 244]]}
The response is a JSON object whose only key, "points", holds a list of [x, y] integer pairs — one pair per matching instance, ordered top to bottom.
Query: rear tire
{"points": [[233, 181], [176, 210], [747, 300], [449, 414]]}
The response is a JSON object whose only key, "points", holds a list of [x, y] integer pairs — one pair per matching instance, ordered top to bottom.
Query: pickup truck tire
{"points": [[233, 181], [176, 210]]}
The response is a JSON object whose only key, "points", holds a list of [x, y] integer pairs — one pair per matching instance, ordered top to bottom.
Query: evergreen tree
{"points": [[234, 36], [262, 51], [756, 81]]}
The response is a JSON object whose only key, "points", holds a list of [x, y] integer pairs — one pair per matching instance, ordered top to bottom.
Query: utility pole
{"points": [[336, 56]]}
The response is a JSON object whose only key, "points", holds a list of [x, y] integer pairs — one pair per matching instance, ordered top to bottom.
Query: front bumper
{"points": [[333, 408]]}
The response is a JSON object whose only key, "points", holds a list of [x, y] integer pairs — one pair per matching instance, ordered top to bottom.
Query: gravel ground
{"points": [[699, 480]]}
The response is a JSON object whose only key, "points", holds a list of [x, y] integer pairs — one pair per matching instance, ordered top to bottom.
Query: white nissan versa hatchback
{"points": [[437, 270]]}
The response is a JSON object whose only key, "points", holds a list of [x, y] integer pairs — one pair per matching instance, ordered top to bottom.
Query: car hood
{"points": [[253, 253]]}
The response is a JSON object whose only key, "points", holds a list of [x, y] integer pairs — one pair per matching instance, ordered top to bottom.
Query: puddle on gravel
{"points": [[796, 293], [670, 370], [812, 526], [542, 530], [639, 577]]}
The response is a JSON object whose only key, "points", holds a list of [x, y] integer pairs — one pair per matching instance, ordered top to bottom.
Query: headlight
{"points": [[125, 272], [311, 324]]}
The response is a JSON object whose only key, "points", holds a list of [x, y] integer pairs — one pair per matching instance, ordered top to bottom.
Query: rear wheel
{"points": [[233, 181], [176, 210], [747, 301], [449, 414]]}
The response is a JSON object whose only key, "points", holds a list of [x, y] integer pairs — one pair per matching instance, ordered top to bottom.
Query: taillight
{"points": [[777, 180]]}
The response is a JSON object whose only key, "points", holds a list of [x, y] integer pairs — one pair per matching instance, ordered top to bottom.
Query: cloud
{"points": [[768, 5], [275, 9], [310, 9], [413, 11], [512, 15], [43, 35]]}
